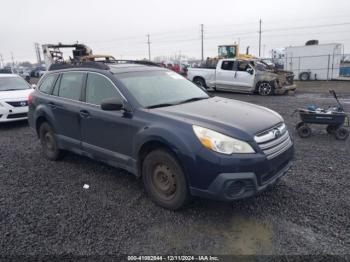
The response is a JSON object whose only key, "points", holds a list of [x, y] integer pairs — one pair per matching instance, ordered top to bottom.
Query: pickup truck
{"points": [[239, 75]]}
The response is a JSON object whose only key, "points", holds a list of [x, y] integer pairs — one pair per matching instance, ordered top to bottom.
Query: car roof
{"points": [[8, 75]]}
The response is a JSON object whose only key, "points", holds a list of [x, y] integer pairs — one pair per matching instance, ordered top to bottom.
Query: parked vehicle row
{"points": [[11, 70], [37, 71], [241, 75], [14, 92], [161, 127]]}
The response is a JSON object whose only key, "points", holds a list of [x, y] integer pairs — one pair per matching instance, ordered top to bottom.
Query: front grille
{"points": [[290, 79], [18, 103], [17, 115], [274, 141]]}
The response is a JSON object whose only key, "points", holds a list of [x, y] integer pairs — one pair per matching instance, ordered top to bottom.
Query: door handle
{"points": [[235, 74], [52, 105], [84, 114]]}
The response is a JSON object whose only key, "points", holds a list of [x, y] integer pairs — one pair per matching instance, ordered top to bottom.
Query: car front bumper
{"points": [[285, 89], [9, 113], [257, 175], [233, 186]]}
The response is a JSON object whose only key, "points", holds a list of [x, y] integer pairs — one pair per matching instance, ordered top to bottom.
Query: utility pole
{"points": [[259, 37], [202, 38], [264, 46], [149, 47], [37, 52], [13, 60], [2, 61]]}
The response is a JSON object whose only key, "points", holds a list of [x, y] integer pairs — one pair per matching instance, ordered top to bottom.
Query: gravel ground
{"points": [[45, 210]]}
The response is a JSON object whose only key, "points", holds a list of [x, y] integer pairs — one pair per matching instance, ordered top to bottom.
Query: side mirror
{"points": [[250, 70], [34, 86], [111, 104]]}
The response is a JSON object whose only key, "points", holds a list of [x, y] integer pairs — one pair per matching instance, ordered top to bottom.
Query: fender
{"points": [[42, 111], [184, 149]]}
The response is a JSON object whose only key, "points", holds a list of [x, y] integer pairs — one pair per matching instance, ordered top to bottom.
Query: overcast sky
{"points": [[120, 27]]}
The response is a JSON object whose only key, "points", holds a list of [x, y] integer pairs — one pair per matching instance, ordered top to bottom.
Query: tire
{"points": [[304, 76], [200, 82], [265, 89], [299, 125], [331, 129], [304, 131], [341, 133], [49, 142], [164, 180]]}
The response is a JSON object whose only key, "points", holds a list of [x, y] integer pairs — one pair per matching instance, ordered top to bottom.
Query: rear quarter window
{"points": [[46, 85]]}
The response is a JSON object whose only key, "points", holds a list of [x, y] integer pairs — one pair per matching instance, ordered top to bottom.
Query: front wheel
{"points": [[265, 89], [304, 131], [49, 142], [164, 180]]}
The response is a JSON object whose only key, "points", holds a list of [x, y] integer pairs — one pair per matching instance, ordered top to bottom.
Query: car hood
{"points": [[15, 94], [232, 117]]}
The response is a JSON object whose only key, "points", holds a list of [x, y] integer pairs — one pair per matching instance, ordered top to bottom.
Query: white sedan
{"points": [[14, 92]]}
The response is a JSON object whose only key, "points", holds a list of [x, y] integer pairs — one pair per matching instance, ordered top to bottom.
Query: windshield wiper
{"points": [[13, 89], [193, 99], [160, 105]]}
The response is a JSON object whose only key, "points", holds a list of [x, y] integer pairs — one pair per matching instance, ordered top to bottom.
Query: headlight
{"points": [[221, 143]]}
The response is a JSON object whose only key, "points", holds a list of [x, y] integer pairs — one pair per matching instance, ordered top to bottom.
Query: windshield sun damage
{"points": [[13, 83], [161, 88]]}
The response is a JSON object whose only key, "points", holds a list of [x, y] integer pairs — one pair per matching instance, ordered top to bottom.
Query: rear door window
{"points": [[227, 65], [46, 85], [71, 85], [99, 88]]}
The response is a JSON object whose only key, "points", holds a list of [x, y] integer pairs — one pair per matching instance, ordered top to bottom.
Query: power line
{"points": [[306, 27], [183, 37]]}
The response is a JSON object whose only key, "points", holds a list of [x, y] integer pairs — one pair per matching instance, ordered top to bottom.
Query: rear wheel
{"points": [[305, 76], [200, 82], [265, 89], [331, 129], [304, 131], [341, 133], [49, 142], [164, 180]]}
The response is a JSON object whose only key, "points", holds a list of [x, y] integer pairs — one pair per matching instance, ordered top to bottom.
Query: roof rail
{"points": [[140, 62], [88, 64]]}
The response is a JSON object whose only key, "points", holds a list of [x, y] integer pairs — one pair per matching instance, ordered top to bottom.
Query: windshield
{"points": [[260, 66], [13, 83], [161, 88]]}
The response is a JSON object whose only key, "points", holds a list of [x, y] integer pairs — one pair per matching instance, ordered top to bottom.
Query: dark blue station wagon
{"points": [[159, 126]]}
